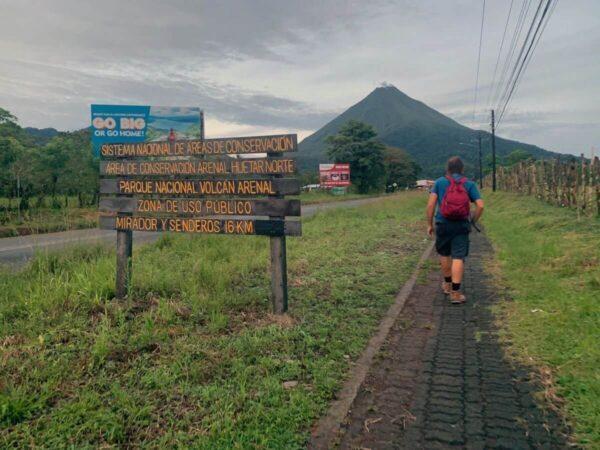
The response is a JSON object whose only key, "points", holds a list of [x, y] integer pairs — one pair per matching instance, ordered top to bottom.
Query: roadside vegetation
{"points": [[373, 166], [48, 179], [325, 196], [71, 216], [46, 218], [550, 261], [194, 358]]}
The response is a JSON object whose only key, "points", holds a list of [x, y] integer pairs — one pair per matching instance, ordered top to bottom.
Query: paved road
{"points": [[16, 251], [443, 379]]}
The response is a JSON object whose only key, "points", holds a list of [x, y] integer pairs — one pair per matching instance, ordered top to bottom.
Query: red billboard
{"points": [[332, 175]]}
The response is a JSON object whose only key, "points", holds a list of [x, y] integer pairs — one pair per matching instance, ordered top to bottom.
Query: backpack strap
{"points": [[452, 180]]}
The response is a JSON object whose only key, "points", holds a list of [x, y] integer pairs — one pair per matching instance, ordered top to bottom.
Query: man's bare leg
{"points": [[446, 265], [458, 268]]}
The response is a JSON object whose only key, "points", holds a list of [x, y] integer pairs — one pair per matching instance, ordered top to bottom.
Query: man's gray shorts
{"points": [[452, 239]]}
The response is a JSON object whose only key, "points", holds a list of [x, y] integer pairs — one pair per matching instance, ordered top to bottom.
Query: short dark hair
{"points": [[455, 165]]}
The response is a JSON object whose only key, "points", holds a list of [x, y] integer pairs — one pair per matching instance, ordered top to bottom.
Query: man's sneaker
{"points": [[446, 287], [457, 298]]}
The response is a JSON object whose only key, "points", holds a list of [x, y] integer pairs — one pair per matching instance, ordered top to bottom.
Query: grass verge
{"points": [[323, 196], [47, 220], [551, 263], [194, 359]]}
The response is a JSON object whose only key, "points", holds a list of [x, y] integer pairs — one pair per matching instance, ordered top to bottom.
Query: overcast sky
{"points": [[274, 65]]}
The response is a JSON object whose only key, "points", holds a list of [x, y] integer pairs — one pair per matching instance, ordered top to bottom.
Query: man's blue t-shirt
{"points": [[440, 186]]}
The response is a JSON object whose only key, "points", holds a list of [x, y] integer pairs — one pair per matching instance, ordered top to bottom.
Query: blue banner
{"points": [[130, 124]]}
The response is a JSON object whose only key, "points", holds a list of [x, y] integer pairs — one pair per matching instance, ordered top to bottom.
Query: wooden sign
{"points": [[198, 147], [199, 167], [194, 186], [201, 188], [201, 207], [203, 226]]}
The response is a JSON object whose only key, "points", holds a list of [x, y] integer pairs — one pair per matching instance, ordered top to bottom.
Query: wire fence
{"points": [[571, 184]]}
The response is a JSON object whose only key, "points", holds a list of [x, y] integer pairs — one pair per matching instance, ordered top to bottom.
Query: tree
{"points": [[7, 117], [356, 144], [8, 155], [516, 156], [65, 166], [51, 168], [401, 169], [80, 172], [24, 175], [308, 178]]}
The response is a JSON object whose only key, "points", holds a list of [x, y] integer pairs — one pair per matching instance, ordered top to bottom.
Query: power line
{"points": [[513, 45], [510, 51], [532, 52], [499, 53], [528, 54], [531, 57], [478, 60], [518, 61]]}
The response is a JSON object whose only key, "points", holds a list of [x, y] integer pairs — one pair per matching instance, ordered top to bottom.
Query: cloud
{"points": [[117, 30], [59, 58], [272, 64], [41, 89]]}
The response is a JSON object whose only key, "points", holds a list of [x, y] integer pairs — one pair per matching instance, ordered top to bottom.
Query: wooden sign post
{"points": [[202, 186]]}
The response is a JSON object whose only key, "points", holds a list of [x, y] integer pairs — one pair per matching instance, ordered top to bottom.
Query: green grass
{"points": [[323, 196], [46, 220], [551, 263], [194, 359]]}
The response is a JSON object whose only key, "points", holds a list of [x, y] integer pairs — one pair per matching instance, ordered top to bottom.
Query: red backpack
{"points": [[456, 202]]}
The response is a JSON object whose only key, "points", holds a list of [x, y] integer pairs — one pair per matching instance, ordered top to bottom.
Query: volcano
{"points": [[426, 134]]}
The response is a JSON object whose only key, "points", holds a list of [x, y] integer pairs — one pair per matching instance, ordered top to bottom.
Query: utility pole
{"points": [[202, 124], [493, 153], [480, 162]]}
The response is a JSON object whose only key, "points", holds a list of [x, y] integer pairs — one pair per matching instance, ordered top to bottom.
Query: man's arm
{"points": [[475, 197], [478, 210], [430, 212]]}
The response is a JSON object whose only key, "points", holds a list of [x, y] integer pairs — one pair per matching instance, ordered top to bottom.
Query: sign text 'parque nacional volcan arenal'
{"points": [[226, 186]]}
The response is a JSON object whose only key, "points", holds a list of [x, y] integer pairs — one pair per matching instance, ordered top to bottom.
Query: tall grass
{"points": [[46, 220], [551, 263], [194, 358]]}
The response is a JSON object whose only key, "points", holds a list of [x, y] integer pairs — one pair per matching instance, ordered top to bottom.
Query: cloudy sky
{"points": [[272, 65]]}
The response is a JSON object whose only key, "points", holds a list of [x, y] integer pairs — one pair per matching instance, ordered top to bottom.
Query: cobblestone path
{"points": [[442, 380]]}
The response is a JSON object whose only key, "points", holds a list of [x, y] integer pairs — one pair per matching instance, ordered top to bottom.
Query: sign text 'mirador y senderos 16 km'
{"points": [[202, 186]]}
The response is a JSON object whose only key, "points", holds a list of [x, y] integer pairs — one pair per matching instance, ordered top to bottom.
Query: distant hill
{"points": [[427, 135], [41, 136]]}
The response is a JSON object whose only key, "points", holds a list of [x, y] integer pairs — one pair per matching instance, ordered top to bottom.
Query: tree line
{"points": [[376, 167], [34, 170], [47, 171]]}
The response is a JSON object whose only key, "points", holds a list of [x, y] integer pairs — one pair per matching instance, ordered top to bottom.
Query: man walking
{"points": [[451, 196]]}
